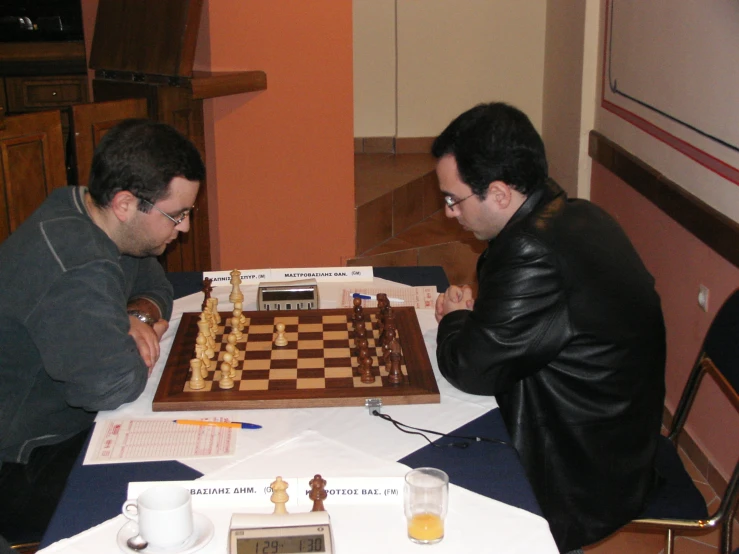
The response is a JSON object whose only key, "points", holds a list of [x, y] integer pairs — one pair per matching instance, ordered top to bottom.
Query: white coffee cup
{"points": [[164, 515]]}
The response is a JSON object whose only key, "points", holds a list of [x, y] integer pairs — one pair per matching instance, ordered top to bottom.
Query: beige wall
{"points": [[450, 56], [374, 68], [562, 89]]}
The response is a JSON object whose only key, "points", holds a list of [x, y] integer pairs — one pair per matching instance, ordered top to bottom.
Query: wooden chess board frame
{"points": [[419, 386]]}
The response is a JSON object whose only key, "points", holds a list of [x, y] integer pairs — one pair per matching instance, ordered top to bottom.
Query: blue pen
{"points": [[368, 297], [233, 424]]}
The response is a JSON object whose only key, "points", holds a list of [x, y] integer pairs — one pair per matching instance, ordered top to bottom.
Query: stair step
{"points": [[379, 174], [392, 193], [401, 221], [436, 240]]}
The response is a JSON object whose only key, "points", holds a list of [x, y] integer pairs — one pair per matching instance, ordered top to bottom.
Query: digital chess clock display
{"points": [[288, 294], [293, 295], [280, 533], [281, 545]]}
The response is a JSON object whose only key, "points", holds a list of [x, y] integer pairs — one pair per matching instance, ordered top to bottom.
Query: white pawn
{"points": [[214, 308], [239, 317], [242, 318], [235, 327], [204, 328], [281, 340], [232, 349], [201, 352], [200, 355], [229, 359], [226, 382]]}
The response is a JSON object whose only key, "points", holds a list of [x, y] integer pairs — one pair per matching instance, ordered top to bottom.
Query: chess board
{"points": [[318, 367]]}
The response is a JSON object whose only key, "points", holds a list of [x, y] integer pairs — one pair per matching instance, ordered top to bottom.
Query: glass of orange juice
{"points": [[426, 497]]}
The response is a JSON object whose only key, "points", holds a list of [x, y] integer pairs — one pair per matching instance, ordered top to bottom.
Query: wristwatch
{"points": [[142, 316]]}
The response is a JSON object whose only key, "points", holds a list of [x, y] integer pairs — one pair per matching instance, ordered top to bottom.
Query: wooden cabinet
{"points": [[38, 76], [42, 76], [41, 93], [30, 94], [3, 101], [90, 122], [32, 155]]}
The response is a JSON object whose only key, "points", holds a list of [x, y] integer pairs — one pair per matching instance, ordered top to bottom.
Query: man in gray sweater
{"points": [[83, 305]]}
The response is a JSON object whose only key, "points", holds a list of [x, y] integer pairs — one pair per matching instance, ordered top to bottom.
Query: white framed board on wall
{"points": [[670, 69]]}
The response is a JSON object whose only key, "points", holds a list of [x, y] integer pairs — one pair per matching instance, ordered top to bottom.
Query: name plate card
{"points": [[320, 274], [248, 276], [257, 492]]}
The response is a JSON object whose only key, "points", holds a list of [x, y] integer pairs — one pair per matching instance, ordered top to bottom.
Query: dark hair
{"points": [[495, 142], [142, 156]]}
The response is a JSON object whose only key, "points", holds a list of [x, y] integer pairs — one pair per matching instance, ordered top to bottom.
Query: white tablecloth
{"points": [[344, 441]]}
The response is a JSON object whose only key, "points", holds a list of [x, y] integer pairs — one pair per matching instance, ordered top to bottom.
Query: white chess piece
{"points": [[236, 294], [280, 340], [233, 349], [196, 379], [226, 382], [279, 495]]}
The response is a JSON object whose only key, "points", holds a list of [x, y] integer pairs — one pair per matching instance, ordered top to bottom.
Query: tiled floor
{"points": [[641, 542]]}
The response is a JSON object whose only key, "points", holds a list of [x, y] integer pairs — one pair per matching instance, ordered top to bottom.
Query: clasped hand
{"points": [[455, 298], [147, 339]]}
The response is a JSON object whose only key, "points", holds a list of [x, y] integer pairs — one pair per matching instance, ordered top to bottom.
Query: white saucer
{"points": [[200, 537]]}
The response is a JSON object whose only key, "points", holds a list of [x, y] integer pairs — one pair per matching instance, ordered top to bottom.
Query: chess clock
{"points": [[291, 295], [280, 533]]}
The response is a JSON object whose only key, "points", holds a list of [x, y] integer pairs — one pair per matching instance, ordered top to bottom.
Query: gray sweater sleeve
{"points": [[150, 282], [80, 328]]}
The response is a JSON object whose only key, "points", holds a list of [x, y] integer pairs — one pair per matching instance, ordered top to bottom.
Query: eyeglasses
{"points": [[450, 202], [176, 221]]}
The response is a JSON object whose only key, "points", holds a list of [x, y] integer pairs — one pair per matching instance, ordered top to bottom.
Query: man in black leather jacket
{"points": [[566, 331]]}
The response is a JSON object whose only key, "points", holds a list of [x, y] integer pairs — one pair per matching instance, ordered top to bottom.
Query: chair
{"points": [[674, 506]]}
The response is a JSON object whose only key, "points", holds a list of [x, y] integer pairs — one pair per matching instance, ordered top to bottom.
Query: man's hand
{"points": [[455, 298], [147, 339]]}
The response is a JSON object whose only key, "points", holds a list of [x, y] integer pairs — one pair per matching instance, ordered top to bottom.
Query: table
{"points": [[95, 493]]}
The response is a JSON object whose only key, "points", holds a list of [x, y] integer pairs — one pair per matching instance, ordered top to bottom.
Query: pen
{"points": [[368, 297], [233, 424]]}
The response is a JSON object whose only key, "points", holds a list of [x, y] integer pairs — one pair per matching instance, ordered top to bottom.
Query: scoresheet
{"points": [[414, 297], [146, 440]]}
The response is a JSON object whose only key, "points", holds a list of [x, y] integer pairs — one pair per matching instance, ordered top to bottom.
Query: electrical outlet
{"points": [[703, 297]]}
